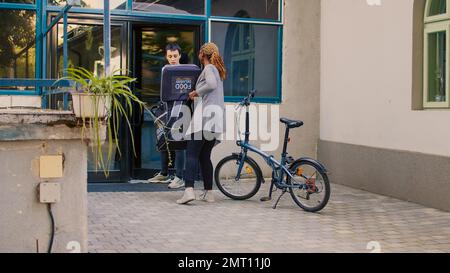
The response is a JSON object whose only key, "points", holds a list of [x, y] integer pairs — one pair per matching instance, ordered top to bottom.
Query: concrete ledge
{"points": [[35, 116], [26, 124], [37, 124], [414, 177]]}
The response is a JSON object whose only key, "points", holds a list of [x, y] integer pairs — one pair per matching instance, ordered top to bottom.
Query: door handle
{"points": [[138, 115]]}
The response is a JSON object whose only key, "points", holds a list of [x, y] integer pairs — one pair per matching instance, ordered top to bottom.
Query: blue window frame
{"points": [[243, 24]]}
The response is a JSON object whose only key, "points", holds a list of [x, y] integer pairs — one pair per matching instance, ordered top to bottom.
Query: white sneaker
{"points": [[159, 178], [176, 183], [188, 196], [207, 196]]}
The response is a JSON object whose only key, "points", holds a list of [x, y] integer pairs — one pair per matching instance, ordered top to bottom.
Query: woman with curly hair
{"points": [[209, 90]]}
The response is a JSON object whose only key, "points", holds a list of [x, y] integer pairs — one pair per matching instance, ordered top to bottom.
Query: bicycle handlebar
{"points": [[247, 100]]}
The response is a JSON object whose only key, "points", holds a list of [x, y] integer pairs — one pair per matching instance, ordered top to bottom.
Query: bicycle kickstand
{"points": [[268, 198], [279, 198]]}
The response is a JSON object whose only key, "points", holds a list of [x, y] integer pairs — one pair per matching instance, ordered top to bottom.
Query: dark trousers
{"points": [[199, 151], [179, 157], [180, 161], [165, 162]]}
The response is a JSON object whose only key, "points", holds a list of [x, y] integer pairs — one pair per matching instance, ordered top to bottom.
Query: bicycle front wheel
{"points": [[236, 186], [312, 187]]}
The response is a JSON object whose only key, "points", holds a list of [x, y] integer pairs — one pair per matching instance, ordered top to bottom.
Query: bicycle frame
{"points": [[279, 168], [289, 175]]}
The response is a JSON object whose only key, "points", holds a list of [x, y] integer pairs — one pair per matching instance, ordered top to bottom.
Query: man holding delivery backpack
{"points": [[173, 56]]}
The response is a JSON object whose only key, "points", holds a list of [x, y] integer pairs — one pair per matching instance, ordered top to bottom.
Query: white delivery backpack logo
{"points": [[182, 84]]}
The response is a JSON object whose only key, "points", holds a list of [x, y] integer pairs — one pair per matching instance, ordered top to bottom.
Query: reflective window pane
{"points": [[93, 4], [187, 7], [438, 7], [260, 9], [154, 41], [18, 47], [86, 48], [250, 53], [437, 67]]}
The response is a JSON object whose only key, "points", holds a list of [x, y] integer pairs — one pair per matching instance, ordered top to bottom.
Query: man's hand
{"points": [[193, 95]]}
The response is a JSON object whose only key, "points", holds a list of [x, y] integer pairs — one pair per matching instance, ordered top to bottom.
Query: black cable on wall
{"points": [[50, 246]]}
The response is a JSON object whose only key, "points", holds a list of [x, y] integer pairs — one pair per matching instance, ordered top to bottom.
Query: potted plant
{"points": [[99, 101]]}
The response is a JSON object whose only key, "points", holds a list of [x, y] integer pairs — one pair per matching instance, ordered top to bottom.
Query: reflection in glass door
{"points": [[150, 43], [85, 49]]}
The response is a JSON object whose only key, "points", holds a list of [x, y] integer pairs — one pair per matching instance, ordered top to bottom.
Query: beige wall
{"points": [[366, 79], [300, 81], [24, 222], [25, 226]]}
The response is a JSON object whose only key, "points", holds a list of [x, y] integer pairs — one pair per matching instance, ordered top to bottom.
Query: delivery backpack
{"points": [[177, 81]]}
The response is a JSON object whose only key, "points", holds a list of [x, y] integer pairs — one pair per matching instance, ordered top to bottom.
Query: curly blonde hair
{"points": [[211, 51]]}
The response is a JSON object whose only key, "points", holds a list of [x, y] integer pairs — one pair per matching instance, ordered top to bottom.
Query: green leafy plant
{"points": [[115, 91]]}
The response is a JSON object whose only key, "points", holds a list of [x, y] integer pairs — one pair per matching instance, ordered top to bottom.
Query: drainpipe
{"points": [[107, 36]]}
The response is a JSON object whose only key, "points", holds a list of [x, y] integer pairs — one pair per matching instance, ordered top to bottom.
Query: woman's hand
{"points": [[193, 95]]}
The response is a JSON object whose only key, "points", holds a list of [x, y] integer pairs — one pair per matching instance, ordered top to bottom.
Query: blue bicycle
{"points": [[239, 177]]}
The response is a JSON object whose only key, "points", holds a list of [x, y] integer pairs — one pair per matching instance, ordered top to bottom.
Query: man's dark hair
{"points": [[173, 47]]}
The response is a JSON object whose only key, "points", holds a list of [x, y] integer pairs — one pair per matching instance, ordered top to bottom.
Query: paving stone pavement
{"points": [[353, 221]]}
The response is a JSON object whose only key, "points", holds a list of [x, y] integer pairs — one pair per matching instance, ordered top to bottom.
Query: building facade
{"points": [[269, 45], [368, 77], [384, 97]]}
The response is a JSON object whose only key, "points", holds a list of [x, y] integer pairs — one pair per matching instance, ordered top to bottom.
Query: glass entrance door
{"points": [[149, 59]]}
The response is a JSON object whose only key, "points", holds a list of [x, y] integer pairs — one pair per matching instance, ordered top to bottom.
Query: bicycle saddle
{"points": [[292, 123]]}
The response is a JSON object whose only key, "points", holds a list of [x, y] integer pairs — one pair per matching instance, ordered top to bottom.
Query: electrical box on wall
{"points": [[51, 166], [49, 193]]}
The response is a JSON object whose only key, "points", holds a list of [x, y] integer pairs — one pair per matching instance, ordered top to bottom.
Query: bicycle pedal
{"points": [[266, 199]]}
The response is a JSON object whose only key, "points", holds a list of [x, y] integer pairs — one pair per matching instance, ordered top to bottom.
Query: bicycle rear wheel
{"points": [[238, 189], [313, 191]]}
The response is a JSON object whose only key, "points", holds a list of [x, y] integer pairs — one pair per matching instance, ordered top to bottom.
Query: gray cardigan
{"points": [[209, 87]]}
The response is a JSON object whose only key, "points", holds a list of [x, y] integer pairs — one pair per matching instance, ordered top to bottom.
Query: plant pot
{"points": [[91, 105]]}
